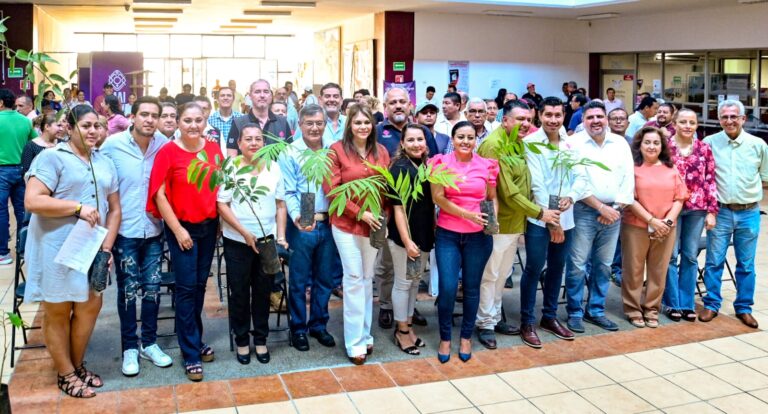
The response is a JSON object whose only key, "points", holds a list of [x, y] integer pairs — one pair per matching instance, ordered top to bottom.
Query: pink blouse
{"points": [[698, 172], [474, 178], [657, 187]]}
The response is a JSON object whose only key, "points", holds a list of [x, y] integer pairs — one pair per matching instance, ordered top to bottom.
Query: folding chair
{"points": [[700, 281], [19, 285]]}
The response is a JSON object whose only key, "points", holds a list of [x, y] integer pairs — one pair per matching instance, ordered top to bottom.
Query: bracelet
{"points": [[78, 209], [540, 215]]}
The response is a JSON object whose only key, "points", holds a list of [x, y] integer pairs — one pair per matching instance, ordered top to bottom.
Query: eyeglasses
{"points": [[730, 117], [615, 119]]}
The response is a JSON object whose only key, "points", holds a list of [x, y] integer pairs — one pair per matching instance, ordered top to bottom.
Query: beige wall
{"points": [[53, 38]]}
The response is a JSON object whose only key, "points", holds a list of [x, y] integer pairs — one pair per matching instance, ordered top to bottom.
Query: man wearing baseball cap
{"points": [[532, 95], [426, 115]]}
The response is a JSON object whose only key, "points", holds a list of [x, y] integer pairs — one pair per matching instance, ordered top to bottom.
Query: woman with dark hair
{"points": [[500, 98], [345, 105], [116, 120], [51, 131], [696, 164], [61, 191], [647, 225], [191, 228], [351, 230], [410, 238], [461, 246]]}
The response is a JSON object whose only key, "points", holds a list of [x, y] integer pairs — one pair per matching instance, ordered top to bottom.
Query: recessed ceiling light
{"points": [[163, 1], [275, 3], [159, 11], [266, 13], [515, 13], [598, 16], [156, 19], [256, 21], [154, 26], [238, 26], [228, 31]]}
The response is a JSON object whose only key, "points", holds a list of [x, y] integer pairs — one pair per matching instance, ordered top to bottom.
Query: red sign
{"points": [[629, 77], [399, 78]]}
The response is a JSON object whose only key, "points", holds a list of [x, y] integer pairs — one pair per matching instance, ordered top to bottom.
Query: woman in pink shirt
{"points": [[116, 120], [647, 231], [460, 244]]}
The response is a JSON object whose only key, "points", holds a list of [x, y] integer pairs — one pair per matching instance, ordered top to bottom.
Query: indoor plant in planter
{"points": [[564, 162], [316, 167]]}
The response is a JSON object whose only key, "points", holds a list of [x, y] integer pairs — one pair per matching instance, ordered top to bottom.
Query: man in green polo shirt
{"points": [[15, 131], [513, 190]]}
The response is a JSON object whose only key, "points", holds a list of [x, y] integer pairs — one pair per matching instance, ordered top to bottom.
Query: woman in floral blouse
{"points": [[693, 159]]}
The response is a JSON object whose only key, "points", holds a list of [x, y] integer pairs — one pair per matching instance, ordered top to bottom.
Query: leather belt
{"points": [[737, 207], [321, 216]]}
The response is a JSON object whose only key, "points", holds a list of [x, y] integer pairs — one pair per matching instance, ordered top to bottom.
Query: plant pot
{"points": [[554, 202], [307, 214], [492, 227], [379, 237], [270, 261], [414, 268], [98, 274], [5, 400]]}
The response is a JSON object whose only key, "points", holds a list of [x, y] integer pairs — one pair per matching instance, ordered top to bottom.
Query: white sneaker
{"points": [[6, 259], [157, 356], [130, 362]]}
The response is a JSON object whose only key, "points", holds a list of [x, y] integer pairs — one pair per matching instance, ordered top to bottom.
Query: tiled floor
{"points": [[697, 368]]}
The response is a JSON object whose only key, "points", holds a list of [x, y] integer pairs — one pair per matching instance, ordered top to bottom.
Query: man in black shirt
{"points": [[273, 126]]}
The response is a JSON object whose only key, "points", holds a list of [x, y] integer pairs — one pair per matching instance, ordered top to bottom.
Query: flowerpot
{"points": [[554, 202], [486, 207], [307, 212], [379, 237], [270, 262], [414, 267], [98, 274], [5, 400]]}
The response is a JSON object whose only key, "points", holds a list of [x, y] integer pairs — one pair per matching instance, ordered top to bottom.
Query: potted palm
{"points": [[564, 162], [316, 167]]}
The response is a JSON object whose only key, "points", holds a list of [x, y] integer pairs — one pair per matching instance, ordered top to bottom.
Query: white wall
{"points": [[511, 51]]}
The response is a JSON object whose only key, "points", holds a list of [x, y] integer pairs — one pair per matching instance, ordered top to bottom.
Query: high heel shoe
{"points": [[419, 342], [411, 350], [465, 357], [443, 358]]}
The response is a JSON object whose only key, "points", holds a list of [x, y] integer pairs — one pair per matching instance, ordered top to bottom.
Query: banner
{"points": [[114, 67], [458, 74], [408, 86]]}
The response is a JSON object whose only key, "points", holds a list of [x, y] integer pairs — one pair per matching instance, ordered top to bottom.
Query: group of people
{"points": [[656, 194]]}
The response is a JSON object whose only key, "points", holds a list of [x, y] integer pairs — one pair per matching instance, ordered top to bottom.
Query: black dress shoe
{"points": [[386, 318], [418, 319], [506, 329], [324, 338], [487, 338], [300, 341], [263, 358], [244, 359]]}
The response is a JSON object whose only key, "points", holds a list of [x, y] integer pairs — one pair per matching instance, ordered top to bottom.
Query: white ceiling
{"points": [[207, 16]]}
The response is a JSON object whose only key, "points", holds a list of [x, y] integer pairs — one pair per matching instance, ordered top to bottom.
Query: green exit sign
{"points": [[398, 66], [14, 73]]}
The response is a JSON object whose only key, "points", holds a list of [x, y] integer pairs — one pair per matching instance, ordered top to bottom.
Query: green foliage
{"points": [[511, 150], [566, 160], [316, 165], [367, 190], [8, 319]]}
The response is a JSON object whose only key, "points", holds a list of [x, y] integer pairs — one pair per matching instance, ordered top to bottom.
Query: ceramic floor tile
{"points": [[758, 339], [734, 348], [699, 355], [660, 361], [620, 368], [578, 375], [740, 376], [361, 378], [533, 382], [311, 383], [702, 384], [487, 389], [660, 392], [761, 394], [203, 396], [436, 397], [615, 399], [147, 400], [383, 401], [568, 402], [326, 404], [740, 404], [283, 407], [517, 407], [698, 408], [230, 410], [463, 411]]}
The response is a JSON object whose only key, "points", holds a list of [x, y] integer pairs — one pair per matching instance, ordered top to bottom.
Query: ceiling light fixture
{"points": [[163, 1], [275, 3], [159, 11], [266, 13], [508, 13], [598, 16], [156, 19], [255, 21], [154, 26], [238, 26]]}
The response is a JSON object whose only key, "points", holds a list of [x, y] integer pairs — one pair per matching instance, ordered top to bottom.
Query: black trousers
{"points": [[249, 290]]}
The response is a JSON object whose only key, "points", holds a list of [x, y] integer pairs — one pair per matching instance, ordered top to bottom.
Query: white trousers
{"points": [[358, 258], [497, 269], [404, 291]]}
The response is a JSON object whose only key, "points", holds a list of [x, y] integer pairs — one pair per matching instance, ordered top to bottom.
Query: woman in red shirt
{"points": [[191, 226], [351, 234]]}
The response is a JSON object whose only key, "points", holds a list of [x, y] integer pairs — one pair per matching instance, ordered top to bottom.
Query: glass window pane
{"points": [[89, 42], [119, 43], [153, 46], [185, 46], [217, 46], [249, 46], [624, 61], [649, 74], [732, 77], [684, 79]]}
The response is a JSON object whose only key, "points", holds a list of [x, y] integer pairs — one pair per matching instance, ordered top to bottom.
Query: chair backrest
{"points": [[21, 242]]}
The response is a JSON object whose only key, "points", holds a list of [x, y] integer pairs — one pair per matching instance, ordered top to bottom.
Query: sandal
{"points": [[674, 314], [688, 315], [637, 322], [651, 323], [418, 342], [411, 350], [206, 354], [194, 371], [89, 378], [69, 384]]}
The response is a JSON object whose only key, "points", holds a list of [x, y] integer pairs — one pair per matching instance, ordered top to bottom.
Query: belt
{"points": [[737, 207], [321, 216]]}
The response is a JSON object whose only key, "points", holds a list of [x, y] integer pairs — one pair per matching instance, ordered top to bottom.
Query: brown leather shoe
{"points": [[707, 315], [747, 319], [554, 327], [529, 336]]}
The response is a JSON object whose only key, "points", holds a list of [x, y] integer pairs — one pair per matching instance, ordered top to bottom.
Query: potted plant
{"points": [[566, 160], [316, 167], [14, 321]]}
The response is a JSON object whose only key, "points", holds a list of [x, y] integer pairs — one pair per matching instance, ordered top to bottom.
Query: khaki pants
{"points": [[637, 250], [495, 274]]}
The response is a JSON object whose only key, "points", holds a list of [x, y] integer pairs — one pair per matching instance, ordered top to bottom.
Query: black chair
{"points": [[219, 272], [167, 282], [19, 285], [700, 287]]}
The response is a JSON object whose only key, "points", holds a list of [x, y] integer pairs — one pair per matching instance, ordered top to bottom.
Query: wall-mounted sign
{"points": [[398, 66], [15, 73]]}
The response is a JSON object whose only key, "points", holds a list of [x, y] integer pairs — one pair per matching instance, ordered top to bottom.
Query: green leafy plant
{"points": [[511, 150], [566, 160], [316, 165], [12, 320]]}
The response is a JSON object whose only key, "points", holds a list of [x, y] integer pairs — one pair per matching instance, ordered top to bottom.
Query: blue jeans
{"points": [[11, 186], [744, 226], [590, 238], [539, 250], [466, 253], [314, 262], [137, 265], [616, 265], [191, 268], [681, 280]]}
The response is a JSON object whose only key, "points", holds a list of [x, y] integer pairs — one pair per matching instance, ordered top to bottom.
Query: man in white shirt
{"points": [[611, 102], [26, 107], [646, 110], [451, 113], [601, 196]]}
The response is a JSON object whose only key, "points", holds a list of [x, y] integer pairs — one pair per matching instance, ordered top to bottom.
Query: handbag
{"points": [[98, 274]]}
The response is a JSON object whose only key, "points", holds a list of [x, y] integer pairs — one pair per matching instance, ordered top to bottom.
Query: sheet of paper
{"points": [[81, 246]]}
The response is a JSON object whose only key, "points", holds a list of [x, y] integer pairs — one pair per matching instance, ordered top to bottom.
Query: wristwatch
{"points": [[78, 209]]}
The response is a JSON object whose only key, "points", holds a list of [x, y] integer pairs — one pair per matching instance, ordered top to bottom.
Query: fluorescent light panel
{"points": [[162, 1], [275, 3], [159, 11], [266, 13], [514, 13], [598, 16], [155, 19], [251, 21], [154, 26], [238, 26]]}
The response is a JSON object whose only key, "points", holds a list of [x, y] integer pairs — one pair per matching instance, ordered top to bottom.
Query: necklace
{"points": [[684, 151]]}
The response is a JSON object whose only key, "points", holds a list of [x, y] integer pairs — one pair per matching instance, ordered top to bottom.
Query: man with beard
{"points": [[330, 101], [451, 114], [426, 115], [664, 117], [167, 125], [273, 126], [513, 191], [601, 197], [139, 244]]}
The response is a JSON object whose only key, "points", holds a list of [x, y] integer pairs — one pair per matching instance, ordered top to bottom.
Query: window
{"points": [[120, 42], [153, 46], [186, 46], [217, 46], [249, 46]]}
